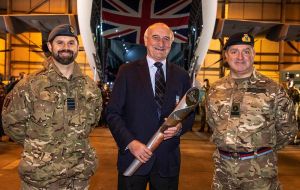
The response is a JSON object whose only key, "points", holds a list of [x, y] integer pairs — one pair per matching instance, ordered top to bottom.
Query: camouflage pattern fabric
{"points": [[52, 117], [264, 117], [251, 174], [65, 184]]}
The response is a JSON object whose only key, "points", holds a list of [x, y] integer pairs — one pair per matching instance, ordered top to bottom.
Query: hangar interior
{"points": [[25, 24], [23, 31]]}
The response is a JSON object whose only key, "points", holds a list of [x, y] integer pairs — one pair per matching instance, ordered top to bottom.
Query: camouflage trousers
{"points": [[259, 173], [63, 184]]}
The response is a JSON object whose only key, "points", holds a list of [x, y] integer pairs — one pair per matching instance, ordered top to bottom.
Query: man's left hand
{"points": [[172, 131]]}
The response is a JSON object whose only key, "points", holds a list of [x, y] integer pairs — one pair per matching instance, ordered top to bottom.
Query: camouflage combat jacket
{"points": [[254, 113], [52, 117]]}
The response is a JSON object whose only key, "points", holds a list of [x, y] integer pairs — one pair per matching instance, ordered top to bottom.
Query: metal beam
{"points": [[38, 5], [9, 6], [68, 9], [8, 24], [14, 25], [218, 28], [278, 32], [3, 35], [24, 42], [281, 43], [293, 47], [7, 65]]}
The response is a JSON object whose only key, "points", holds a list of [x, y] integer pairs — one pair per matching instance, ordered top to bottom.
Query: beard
{"points": [[62, 59]]}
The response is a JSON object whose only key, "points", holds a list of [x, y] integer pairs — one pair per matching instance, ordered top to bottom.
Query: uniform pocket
{"points": [[44, 106]]}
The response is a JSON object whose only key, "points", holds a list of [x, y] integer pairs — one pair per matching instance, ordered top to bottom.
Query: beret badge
{"points": [[72, 30], [246, 38]]}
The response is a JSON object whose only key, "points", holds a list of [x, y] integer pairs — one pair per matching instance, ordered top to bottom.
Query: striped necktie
{"points": [[160, 86]]}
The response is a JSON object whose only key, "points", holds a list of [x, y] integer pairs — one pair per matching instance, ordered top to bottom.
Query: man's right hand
{"points": [[140, 151]]}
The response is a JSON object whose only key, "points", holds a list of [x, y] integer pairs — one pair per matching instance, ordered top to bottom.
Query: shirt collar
{"points": [[151, 62], [76, 70], [255, 76]]}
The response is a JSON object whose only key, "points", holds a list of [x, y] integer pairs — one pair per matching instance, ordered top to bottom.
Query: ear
{"points": [[145, 40], [77, 45], [49, 46], [254, 52]]}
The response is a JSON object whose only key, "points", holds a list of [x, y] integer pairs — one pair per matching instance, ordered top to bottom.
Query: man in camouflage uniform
{"points": [[51, 113], [251, 117]]}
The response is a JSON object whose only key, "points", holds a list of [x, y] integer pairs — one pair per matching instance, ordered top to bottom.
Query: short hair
{"points": [[162, 25]]}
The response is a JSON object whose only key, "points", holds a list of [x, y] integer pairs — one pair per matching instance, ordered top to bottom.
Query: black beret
{"points": [[62, 30], [238, 39]]}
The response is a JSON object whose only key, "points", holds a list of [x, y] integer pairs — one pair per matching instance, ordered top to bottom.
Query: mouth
{"points": [[159, 49], [65, 53], [239, 62]]}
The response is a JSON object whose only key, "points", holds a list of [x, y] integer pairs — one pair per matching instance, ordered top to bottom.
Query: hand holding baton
{"points": [[186, 105]]}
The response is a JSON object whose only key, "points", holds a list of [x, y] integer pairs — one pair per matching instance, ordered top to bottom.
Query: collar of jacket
{"points": [[51, 67], [254, 78]]}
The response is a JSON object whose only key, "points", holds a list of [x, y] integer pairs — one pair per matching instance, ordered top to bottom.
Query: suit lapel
{"points": [[169, 81]]}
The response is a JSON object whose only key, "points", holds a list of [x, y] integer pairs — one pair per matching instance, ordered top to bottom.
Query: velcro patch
{"points": [[256, 90], [71, 103]]}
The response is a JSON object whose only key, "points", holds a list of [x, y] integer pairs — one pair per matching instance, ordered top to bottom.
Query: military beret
{"points": [[62, 30], [238, 39]]}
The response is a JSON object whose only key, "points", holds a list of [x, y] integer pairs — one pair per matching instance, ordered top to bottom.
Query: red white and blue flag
{"points": [[127, 20]]}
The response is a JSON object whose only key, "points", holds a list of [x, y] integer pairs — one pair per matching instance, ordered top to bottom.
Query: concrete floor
{"points": [[196, 170]]}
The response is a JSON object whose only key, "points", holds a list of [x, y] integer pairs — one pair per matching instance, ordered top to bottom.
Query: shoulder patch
{"points": [[7, 100]]}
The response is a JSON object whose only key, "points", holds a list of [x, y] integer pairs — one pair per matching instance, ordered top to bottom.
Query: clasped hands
{"points": [[140, 150]]}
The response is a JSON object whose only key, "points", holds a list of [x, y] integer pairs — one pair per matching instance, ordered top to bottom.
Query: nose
{"points": [[160, 42], [65, 46], [240, 55]]}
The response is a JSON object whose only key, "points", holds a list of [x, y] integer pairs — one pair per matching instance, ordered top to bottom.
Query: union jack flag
{"points": [[127, 20]]}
